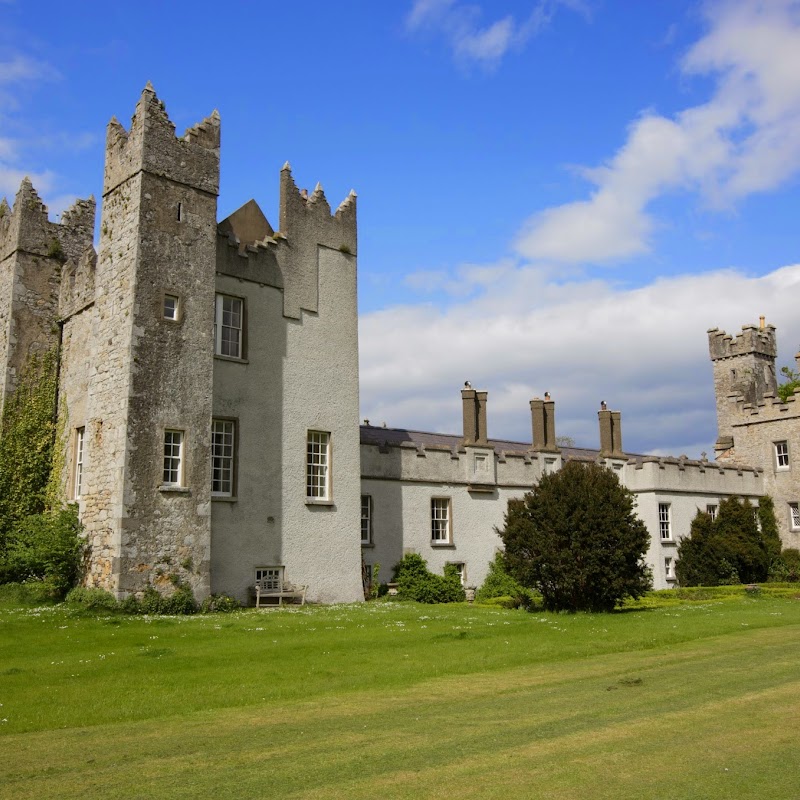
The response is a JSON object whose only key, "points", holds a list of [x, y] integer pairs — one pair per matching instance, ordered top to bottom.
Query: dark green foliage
{"points": [[792, 382], [26, 443], [576, 539], [46, 547], [730, 549], [786, 568], [414, 582], [499, 584], [91, 599], [152, 602], [219, 604]]}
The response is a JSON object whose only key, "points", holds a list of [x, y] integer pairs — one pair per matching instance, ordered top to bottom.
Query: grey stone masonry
{"points": [[32, 252], [148, 375], [755, 427]]}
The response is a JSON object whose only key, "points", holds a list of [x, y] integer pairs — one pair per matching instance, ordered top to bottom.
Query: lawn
{"points": [[695, 699]]}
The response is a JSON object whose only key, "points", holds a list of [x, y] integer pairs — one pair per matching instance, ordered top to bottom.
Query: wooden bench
{"points": [[273, 590]]}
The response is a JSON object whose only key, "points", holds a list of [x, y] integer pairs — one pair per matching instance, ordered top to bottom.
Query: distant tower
{"points": [[32, 252], [743, 367], [150, 379]]}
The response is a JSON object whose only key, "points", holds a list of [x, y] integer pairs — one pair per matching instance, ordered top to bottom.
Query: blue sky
{"points": [[553, 195]]}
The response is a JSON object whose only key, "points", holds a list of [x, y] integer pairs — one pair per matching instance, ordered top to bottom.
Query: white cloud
{"points": [[460, 24], [21, 69], [745, 139], [11, 177], [643, 350]]}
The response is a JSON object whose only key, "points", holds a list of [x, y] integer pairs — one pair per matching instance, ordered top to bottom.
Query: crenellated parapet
{"points": [[152, 146], [307, 223], [27, 227], [256, 261], [753, 340], [744, 369]]}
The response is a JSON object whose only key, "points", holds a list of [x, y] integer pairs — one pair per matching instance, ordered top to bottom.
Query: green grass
{"points": [[697, 698]]}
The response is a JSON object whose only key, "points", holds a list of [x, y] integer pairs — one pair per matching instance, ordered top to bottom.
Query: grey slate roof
{"points": [[379, 436]]}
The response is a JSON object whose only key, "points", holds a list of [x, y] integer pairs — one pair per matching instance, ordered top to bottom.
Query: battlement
{"points": [[152, 146], [309, 216], [27, 226], [257, 262], [753, 340]]}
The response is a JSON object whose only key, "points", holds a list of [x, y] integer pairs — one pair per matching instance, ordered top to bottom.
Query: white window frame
{"points": [[171, 307], [228, 326], [781, 455], [223, 457], [318, 466], [172, 471], [77, 472], [712, 510], [794, 516], [366, 519], [441, 520], [665, 522], [669, 568], [270, 578]]}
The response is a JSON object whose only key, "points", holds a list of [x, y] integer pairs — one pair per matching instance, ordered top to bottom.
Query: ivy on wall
{"points": [[27, 439]]}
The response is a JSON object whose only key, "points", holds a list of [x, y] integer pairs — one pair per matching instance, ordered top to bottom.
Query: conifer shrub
{"points": [[576, 539], [741, 545], [415, 582]]}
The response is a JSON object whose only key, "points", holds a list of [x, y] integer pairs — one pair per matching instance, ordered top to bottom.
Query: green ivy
{"points": [[27, 437]]}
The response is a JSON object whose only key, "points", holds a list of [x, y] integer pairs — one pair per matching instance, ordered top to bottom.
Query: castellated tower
{"points": [[32, 252], [144, 354], [744, 369]]}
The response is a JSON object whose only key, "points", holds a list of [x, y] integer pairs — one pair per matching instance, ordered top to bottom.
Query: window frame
{"points": [[176, 317], [219, 326], [782, 457], [232, 458], [78, 461], [166, 480], [318, 491], [712, 510], [794, 516], [436, 519], [665, 522], [366, 541], [669, 568]]}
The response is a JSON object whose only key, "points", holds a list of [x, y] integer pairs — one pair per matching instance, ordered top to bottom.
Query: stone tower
{"points": [[32, 252], [150, 355], [744, 367]]}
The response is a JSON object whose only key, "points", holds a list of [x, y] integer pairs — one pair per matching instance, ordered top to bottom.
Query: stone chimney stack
{"points": [[474, 408], [543, 423], [610, 431]]}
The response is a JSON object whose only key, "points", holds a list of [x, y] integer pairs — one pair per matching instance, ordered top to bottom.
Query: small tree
{"points": [[792, 382], [577, 540], [739, 546]]}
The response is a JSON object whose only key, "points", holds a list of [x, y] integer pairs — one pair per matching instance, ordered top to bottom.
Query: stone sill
{"points": [[231, 358], [168, 489], [223, 498], [319, 503], [669, 542], [443, 544], [367, 545]]}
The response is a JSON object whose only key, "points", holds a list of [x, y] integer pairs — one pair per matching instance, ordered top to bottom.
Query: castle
{"points": [[208, 394]]}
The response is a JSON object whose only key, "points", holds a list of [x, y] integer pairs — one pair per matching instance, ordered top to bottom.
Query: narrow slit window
{"points": [[173, 458]]}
